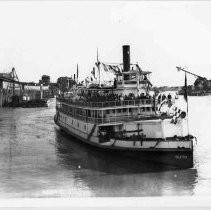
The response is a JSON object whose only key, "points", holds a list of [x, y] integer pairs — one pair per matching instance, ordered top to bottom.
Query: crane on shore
{"points": [[183, 69], [11, 79], [202, 85]]}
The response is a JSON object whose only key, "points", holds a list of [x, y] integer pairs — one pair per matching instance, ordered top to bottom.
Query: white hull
{"points": [[83, 129], [170, 152]]}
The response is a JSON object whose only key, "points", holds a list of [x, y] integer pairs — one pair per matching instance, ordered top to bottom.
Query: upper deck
{"points": [[129, 98], [109, 111]]}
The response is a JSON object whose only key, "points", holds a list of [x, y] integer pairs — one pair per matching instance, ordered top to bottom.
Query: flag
{"points": [[105, 68], [110, 68], [113, 69], [118, 69], [139, 69], [93, 72], [186, 89]]}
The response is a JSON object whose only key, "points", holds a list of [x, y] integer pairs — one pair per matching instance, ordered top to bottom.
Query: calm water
{"points": [[37, 160]]}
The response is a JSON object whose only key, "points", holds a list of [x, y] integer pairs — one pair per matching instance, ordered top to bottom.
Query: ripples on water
{"points": [[37, 160]]}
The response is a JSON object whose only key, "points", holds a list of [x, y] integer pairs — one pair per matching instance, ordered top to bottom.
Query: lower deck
{"points": [[144, 135], [170, 152]]}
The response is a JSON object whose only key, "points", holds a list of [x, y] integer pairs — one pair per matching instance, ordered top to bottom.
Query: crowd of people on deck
{"points": [[97, 96], [100, 96], [163, 97]]}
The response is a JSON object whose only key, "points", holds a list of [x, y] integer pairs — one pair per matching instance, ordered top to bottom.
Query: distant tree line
{"points": [[202, 84]]}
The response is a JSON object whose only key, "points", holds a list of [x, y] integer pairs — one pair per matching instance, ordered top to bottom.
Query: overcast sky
{"points": [[51, 37]]}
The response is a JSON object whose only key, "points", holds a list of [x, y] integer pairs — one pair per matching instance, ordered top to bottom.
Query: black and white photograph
{"points": [[105, 103]]}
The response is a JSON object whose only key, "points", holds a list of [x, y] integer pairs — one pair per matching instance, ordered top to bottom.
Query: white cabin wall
{"points": [[79, 127], [150, 129], [178, 129]]}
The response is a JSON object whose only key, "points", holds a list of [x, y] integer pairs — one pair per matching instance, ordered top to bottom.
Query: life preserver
{"points": [[167, 102]]}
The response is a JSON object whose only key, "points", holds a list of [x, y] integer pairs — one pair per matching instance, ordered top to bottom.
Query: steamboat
{"points": [[125, 118]]}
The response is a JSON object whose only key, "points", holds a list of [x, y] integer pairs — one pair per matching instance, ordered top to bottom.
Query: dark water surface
{"points": [[37, 160]]}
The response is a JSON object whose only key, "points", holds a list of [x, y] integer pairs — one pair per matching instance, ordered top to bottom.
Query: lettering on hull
{"points": [[179, 157]]}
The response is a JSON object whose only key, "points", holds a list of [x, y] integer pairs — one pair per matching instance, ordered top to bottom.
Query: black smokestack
{"points": [[126, 57]]}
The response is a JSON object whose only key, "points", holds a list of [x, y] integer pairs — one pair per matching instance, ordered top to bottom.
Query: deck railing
{"points": [[136, 102], [109, 119]]}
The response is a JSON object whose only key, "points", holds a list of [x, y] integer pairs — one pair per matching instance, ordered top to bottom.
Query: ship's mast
{"points": [[98, 67], [77, 74], [186, 90]]}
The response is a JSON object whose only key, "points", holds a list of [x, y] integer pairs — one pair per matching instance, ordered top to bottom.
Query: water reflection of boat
{"points": [[112, 175]]}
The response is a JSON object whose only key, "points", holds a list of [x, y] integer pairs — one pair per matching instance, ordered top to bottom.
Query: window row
{"points": [[102, 113]]}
